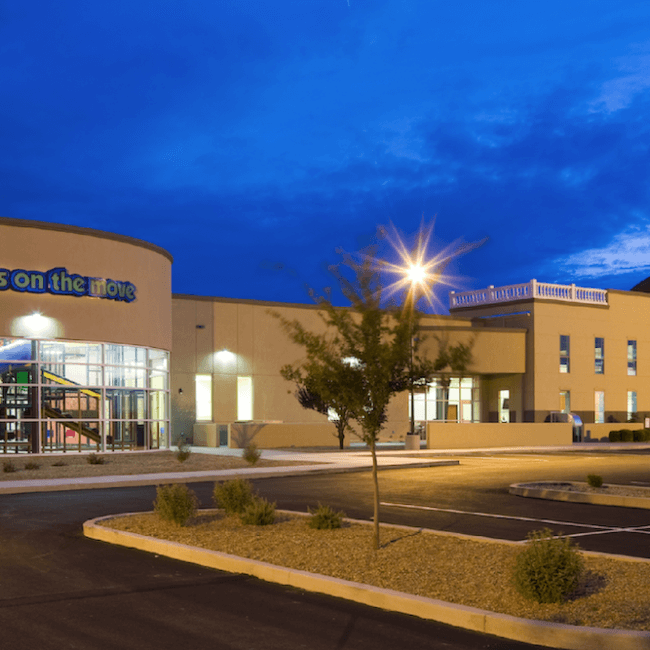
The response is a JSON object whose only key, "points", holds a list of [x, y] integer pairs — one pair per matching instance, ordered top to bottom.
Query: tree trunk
{"points": [[341, 434], [375, 536]]}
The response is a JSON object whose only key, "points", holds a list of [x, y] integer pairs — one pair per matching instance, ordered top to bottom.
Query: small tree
{"points": [[366, 348], [324, 389]]}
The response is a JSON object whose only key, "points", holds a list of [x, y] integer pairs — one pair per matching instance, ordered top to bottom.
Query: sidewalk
{"points": [[316, 462]]}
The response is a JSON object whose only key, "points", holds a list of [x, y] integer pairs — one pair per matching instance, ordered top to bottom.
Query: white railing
{"points": [[532, 289]]}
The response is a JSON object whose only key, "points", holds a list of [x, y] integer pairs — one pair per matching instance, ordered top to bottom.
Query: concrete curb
{"points": [[86, 483], [535, 492], [551, 635]]}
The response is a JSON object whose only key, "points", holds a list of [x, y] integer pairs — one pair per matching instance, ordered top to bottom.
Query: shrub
{"points": [[627, 435], [615, 436], [183, 452], [251, 453], [94, 459], [59, 463], [31, 465], [8, 467], [594, 480], [233, 496], [175, 503], [258, 513], [324, 518], [548, 569]]}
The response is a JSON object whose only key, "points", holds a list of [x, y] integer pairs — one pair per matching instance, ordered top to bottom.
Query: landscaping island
{"points": [[474, 572]]}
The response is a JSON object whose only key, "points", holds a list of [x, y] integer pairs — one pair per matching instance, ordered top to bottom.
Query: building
{"points": [[89, 322], [85, 339]]}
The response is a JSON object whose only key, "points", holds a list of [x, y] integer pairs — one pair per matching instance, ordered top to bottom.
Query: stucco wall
{"points": [[35, 246], [473, 436]]}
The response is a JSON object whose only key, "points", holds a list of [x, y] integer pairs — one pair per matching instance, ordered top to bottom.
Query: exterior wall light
{"points": [[36, 326], [225, 356]]}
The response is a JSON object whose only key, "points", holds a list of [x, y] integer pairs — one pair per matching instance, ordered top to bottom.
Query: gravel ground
{"points": [[75, 465], [613, 593]]}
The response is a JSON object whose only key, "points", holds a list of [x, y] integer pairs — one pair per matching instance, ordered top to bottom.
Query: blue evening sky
{"points": [[252, 138]]}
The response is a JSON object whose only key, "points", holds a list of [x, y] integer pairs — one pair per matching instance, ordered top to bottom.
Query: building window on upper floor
{"points": [[564, 353], [599, 356], [631, 357], [204, 397], [244, 398], [565, 401], [631, 405], [599, 407]]}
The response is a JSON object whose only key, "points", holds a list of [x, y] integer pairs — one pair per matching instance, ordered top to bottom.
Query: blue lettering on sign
{"points": [[59, 282]]}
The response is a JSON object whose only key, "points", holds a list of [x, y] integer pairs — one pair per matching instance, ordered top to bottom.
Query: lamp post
{"points": [[415, 274]]}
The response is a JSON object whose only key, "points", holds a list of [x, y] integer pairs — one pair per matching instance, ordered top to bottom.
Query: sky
{"points": [[256, 139]]}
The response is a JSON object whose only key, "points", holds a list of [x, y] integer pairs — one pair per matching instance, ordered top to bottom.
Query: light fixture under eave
{"points": [[36, 326], [225, 356]]}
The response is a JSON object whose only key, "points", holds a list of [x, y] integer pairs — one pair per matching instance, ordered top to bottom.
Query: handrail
{"points": [[528, 290]]}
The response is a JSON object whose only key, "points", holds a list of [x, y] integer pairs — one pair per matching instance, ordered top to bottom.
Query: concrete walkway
{"points": [[389, 456]]}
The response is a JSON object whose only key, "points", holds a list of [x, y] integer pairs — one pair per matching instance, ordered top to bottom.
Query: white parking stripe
{"points": [[494, 516], [597, 530]]}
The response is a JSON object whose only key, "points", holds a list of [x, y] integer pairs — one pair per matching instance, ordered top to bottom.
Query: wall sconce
{"points": [[225, 356], [180, 391]]}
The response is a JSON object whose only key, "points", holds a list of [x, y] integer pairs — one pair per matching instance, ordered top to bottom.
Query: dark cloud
{"points": [[253, 139]]}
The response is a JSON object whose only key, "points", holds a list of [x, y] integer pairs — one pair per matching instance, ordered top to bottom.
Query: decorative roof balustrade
{"points": [[528, 290]]}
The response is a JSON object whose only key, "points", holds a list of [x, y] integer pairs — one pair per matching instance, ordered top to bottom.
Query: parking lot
{"points": [[473, 498]]}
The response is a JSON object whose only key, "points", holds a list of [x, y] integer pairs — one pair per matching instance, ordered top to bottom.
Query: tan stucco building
{"points": [[89, 323], [85, 339]]}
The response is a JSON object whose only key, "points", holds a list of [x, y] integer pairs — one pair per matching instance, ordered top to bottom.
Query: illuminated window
{"points": [[564, 353], [599, 356], [631, 357], [204, 397], [244, 398], [565, 401], [631, 404], [504, 406], [599, 407]]}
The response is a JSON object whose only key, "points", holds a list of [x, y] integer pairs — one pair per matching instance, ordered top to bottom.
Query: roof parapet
{"points": [[527, 291]]}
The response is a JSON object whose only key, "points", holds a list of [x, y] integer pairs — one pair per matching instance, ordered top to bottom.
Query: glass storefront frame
{"points": [[58, 395]]}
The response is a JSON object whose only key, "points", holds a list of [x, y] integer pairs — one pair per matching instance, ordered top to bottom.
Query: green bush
{"points": [[627, 435], [641, 435], [646, 435], [615, 436], [183, 452], [251, 453], [94, 459], [31, 465], [8, 467], [594, 480], [233, 496], [175, 503], [258, 513], [324, 518], [548, 569]]}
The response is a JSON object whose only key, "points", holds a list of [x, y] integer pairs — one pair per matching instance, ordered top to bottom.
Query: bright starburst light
{"points": [[420, 272]]}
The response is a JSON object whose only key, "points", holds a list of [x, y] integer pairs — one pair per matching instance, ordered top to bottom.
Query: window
{"points": [[564, 353], [599, 356], [631, 357], [204, 397], [244, 398], [450, 400], [565, 401], [631, 405], [504, 406], [599, 407]]}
